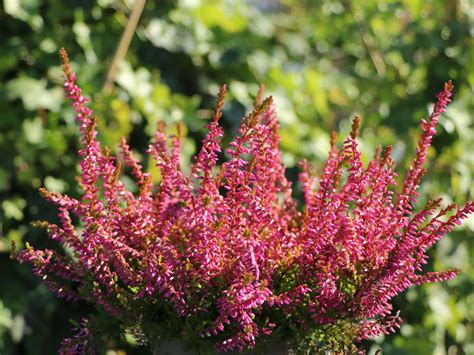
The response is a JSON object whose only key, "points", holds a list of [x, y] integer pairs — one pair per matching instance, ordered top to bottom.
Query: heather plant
{"points": [[225, 258]]}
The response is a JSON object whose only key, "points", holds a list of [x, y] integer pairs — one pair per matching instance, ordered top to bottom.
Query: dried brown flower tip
{"points": [[65, 62], [449, 86], [259, 98], [220, 102], [265, 104], [252, 119], [160, 126], [180, 127], [355, 127], [91, 129], [333, 139], [106, 152], [378, 153], [386, 155], [118, 170], [419, 176], [144, 186], [44, 193], [433, 204]]}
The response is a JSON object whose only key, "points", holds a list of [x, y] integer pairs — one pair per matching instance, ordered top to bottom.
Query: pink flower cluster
{"points": [[230, 240]]}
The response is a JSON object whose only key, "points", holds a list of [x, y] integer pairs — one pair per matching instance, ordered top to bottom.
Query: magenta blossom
{"points": [[229, 249]]}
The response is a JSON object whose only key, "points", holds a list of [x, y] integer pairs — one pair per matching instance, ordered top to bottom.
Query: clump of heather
{"points": [[225, 256]]}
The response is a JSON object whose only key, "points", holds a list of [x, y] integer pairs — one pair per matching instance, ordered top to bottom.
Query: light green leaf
{"points": [[25, 10], [82, 32], [137, 83], [34, 94], [33, 130], [53, 184], [13, 208], [5, 317], [18, 328]]}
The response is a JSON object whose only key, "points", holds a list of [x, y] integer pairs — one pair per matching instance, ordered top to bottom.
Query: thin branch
{"points": [[123, 45]]}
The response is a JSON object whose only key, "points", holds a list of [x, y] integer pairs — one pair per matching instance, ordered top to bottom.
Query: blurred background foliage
{"points": [[323, 61]]}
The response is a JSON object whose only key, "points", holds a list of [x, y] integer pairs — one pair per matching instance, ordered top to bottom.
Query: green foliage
{"points": [[323, 61], [336, 337]]}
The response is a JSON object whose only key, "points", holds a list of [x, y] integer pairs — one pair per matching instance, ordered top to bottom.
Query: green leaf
{"points": [[25, 10], [82, 32], [137, 83], [34, 94], [33, 130], [53, 184], [13, 208], [6, 320], [18, 328]]}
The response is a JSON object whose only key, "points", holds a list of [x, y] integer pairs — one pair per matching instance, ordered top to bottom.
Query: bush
{"points": [[322, 61], [225, 253]]}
